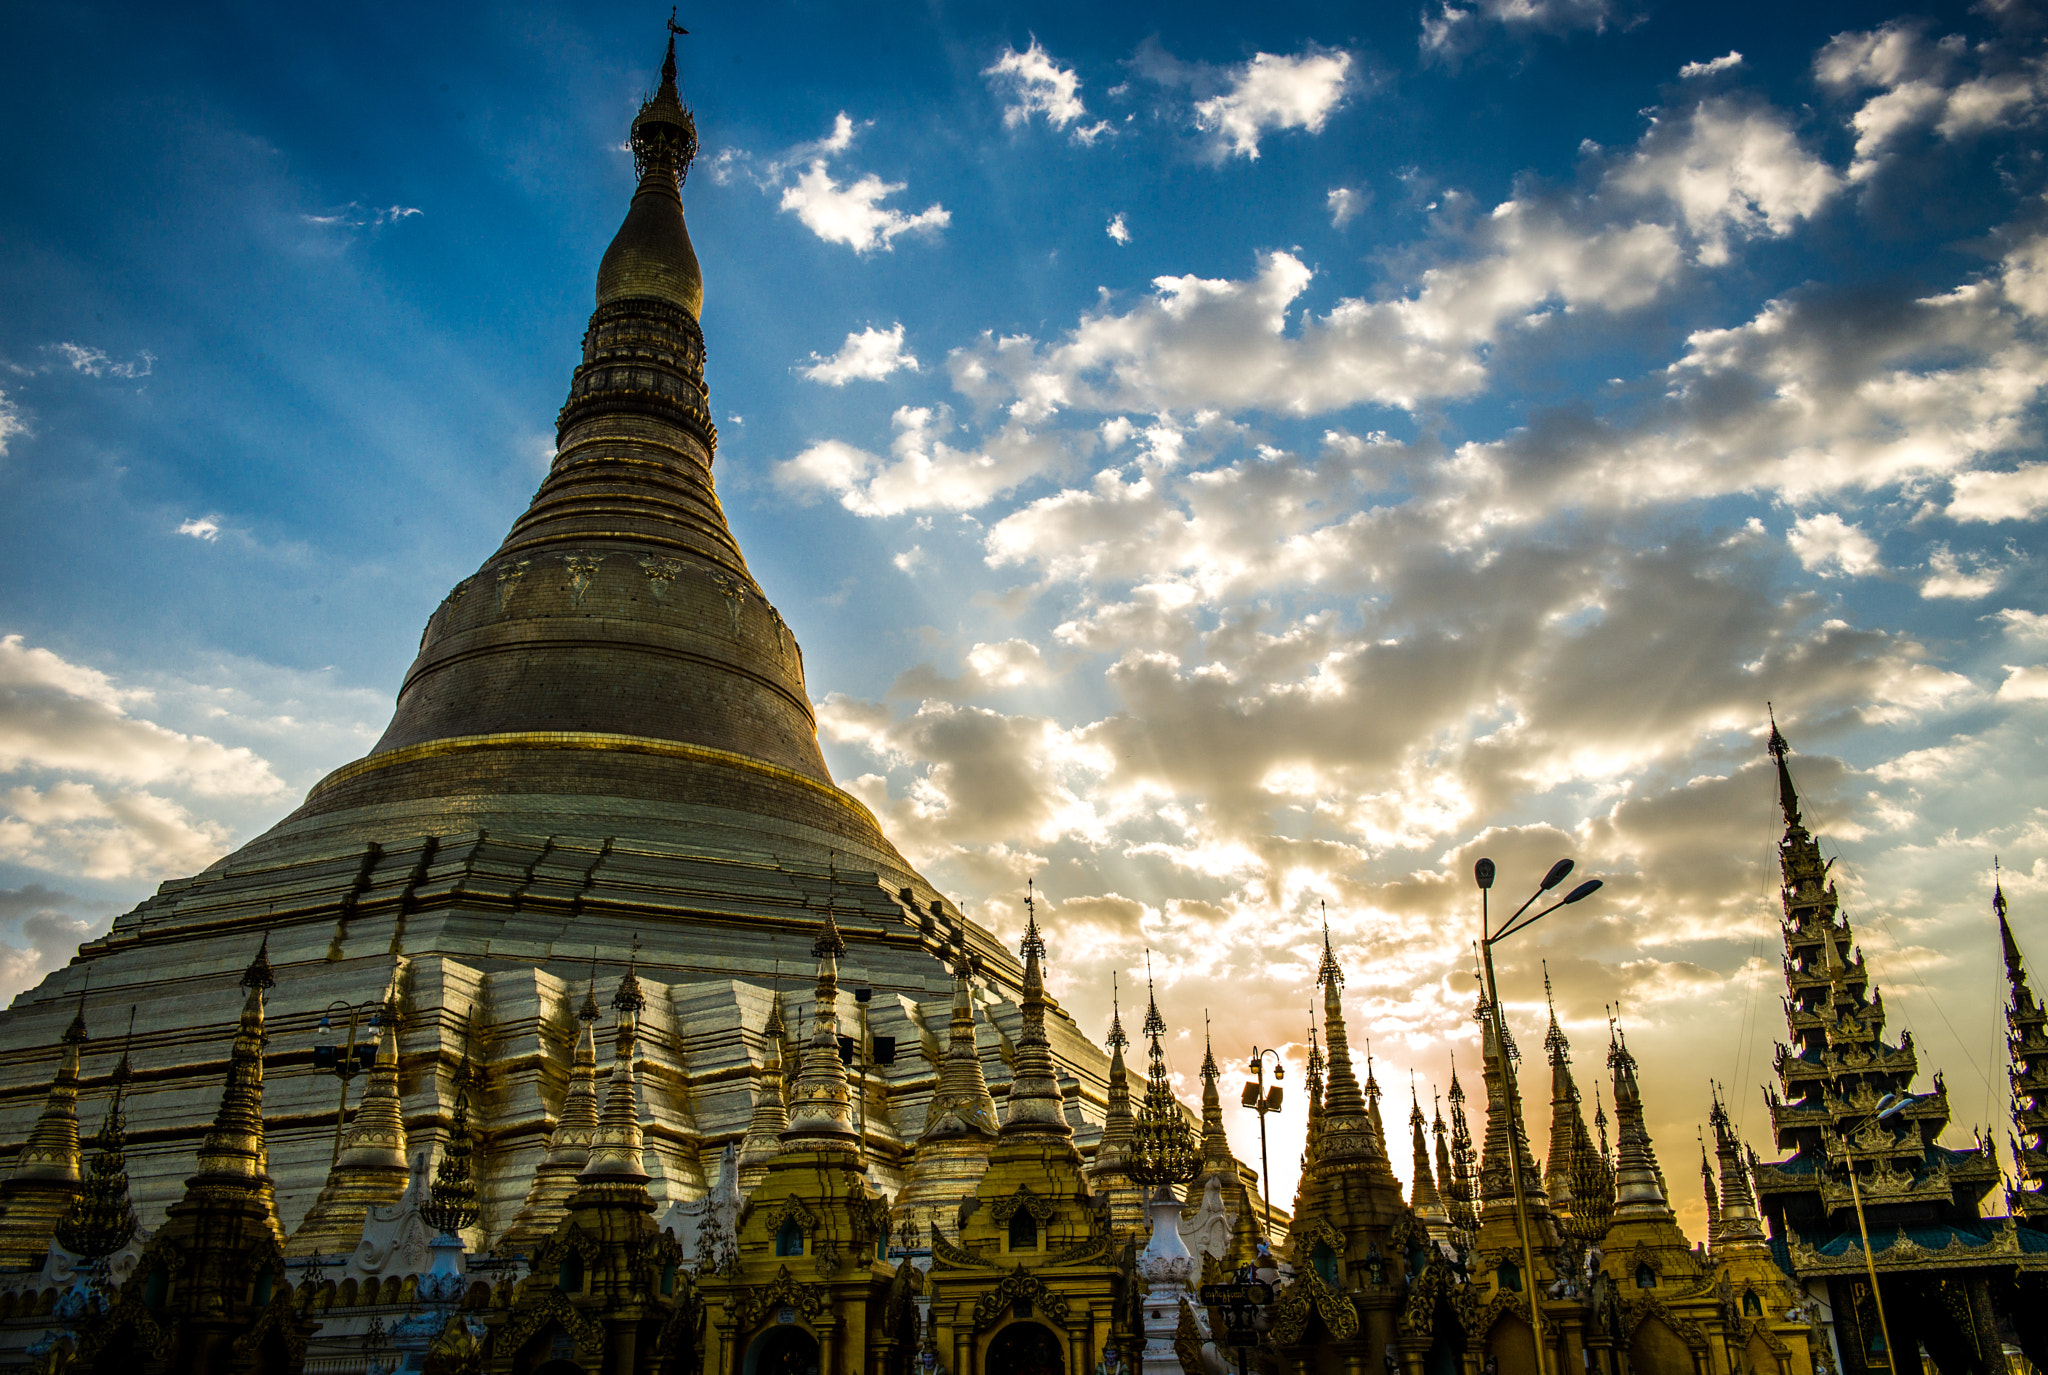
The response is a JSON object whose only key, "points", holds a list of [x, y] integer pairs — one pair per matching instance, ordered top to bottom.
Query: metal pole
{"points": [[1507, 1068], [343, 1070], [1265, 1166], [1891, 1359]]}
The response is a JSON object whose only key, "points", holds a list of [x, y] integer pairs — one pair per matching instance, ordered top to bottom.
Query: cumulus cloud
{"points": [[1452, 31], [1032, 83], [1911, 86], [1272, 93], [1345, 203], [848, 213], [853, 214], [1118, 230], [869, 356], [922, 471], [2000, 494], [205, 528], [1831, 547], [1947, 576], [2024, 683], [65, 717], [105, 835]]}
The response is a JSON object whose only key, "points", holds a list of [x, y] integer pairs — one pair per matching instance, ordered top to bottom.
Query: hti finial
{"points": [[668, 63], [1329, 974], [258, 975], [1117, 1039]]}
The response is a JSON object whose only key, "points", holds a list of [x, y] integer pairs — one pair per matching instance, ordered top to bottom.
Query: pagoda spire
{"points": [[1788, 796], [2026, 1026], [1314, 1092], [1372, 1106], [1036, 1108], [821, 1109], [1567, 1112], [770, 1117], [1346, 1126], [1505, 1132], [234, 1146], [615, 1147], [951, 1155], [1216, 1157], [370, 1169], [1110, 1172], [1463, 1175], [46, 1179], [554, 1179], [1638, 1181], [1713, 1193], [1428, 1205], [102, 1218], [1740, 1227]]}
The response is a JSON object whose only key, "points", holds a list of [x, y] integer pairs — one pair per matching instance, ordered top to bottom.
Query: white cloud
{"points": [[1455, 30], [1726, 62], [1032, 83], [1948, 88], [1273, 92], [1729, 169], [1345, 203], [356, 215], [853, 215], [1118, 230], [869, 356], [94, 362], [11, 423], [923, 472], [1993, 495], [201, 528], [1831, 547], [1947, 578], [2024, 683], [63, 717], [114, 835], [44, 927]]}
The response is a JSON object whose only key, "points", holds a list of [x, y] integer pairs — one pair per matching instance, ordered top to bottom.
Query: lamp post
{"points": [[1483, 872], [348, 1059], [1263, 1100], [1887, 1107]]}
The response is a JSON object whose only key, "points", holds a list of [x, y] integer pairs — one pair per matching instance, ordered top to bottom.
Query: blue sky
{"points": [[1218, 461]]}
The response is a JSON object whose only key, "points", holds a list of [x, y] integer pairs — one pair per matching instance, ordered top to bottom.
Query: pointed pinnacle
{"points": [[829, 941], [1330, 973], [258, 974]]}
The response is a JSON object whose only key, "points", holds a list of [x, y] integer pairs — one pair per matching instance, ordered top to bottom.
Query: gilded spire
{"points": [[652, 257], [1314, 1091], [961, 1105], [1036, 1107], [1372, 1107], [821, 1109], [770, 1117], [1567, 1121], [1346, 1128], [1505, 1129], [1440, 1135], [234, 1145], [1115, 1145], [615, 1147], [51, 1152], [1216, 1156], [370, 1168], [1464, 1172], [554, 1179], [1638, 1182], [1713, 1192], [1424, 1198], [102, 1217], [1740, 1227]]}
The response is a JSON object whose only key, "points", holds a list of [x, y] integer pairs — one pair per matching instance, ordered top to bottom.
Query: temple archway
{"points": [[1025, 1348], [782, 1350]]}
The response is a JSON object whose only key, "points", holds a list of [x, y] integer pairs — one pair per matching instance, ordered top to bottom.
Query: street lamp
{"points": [[1483, 872], [348, 1059], [1263, 1100]]}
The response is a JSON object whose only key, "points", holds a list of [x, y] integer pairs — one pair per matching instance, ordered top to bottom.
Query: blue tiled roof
{"points": [[1932, 1238]]}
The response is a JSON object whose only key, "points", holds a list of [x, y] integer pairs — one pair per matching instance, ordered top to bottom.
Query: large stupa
{"points": [[603, 759]]}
